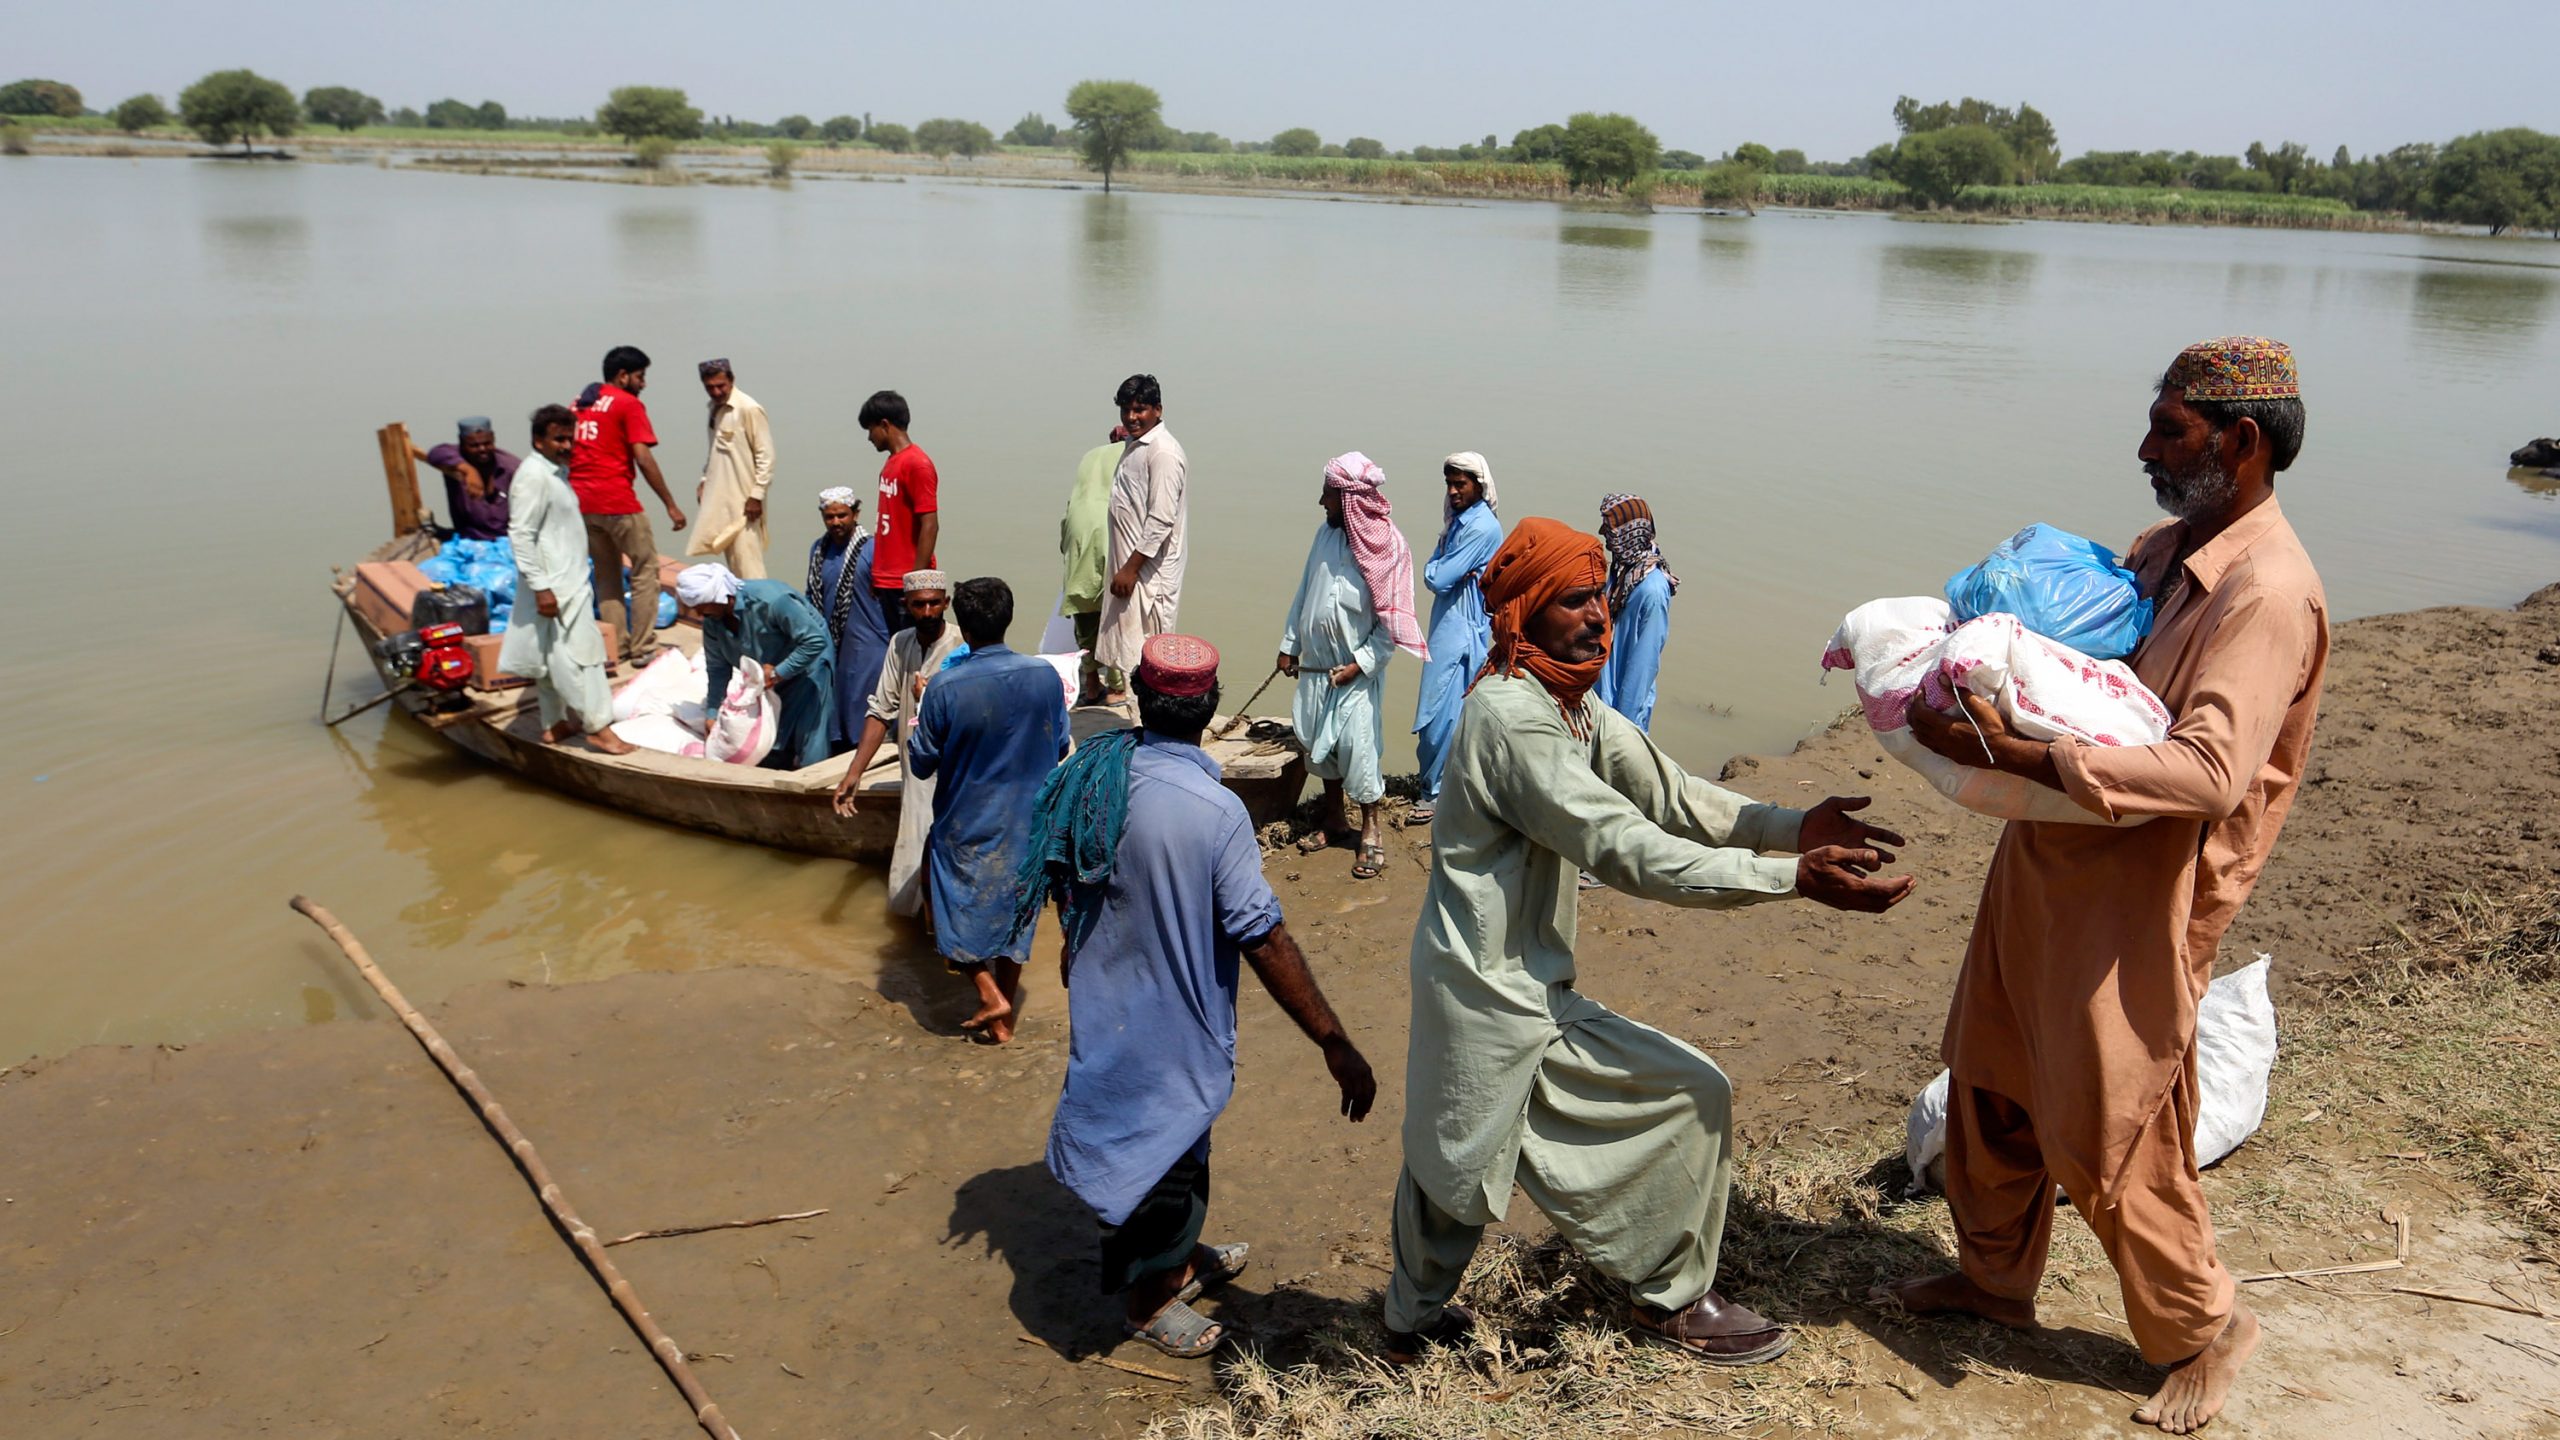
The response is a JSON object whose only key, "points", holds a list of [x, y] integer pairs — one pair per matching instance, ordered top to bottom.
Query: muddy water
{"points": [[1821, 409]]}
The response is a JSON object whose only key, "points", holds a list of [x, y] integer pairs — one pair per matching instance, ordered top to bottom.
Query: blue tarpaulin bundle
{"points": [[486, 565], [2060, 586]]}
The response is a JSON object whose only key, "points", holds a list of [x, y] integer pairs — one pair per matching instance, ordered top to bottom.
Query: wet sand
{"points": [[306, 1232]]}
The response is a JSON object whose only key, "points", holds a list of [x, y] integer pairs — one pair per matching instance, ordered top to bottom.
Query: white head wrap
{"points": [[1473, 464], [838, 495], [927, 580], [709, 584]]}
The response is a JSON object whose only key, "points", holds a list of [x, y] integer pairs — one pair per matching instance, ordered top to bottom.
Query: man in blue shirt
{"points": [[1640, 591], [993, 725], [1160, 891]]}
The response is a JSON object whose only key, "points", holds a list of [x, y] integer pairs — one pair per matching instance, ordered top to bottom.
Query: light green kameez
{"points": [[563, 657], [1621, 1134]]}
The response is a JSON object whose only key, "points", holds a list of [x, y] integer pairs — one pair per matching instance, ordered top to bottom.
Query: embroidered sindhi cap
{"points": [[2235, 367], [1178, 665]]}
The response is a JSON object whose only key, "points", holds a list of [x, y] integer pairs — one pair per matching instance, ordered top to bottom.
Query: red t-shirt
{"points": [[600, 459], [907, 485]]}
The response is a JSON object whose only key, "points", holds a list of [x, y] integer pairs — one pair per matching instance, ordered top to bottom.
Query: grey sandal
{"points": [[1226, 1262], [1179, 1331]]}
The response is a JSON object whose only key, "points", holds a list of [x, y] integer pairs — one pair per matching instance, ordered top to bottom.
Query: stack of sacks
{"points": [[1912, 649], [661, 709]]}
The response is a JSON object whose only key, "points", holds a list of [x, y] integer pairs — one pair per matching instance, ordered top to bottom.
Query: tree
{"points": [[49, 98], [230, 105], [343, 107], [142, 112], [636, 112], [490, 116], [1110, 116], [407, 117], [794, 127], [840, 128], [1032, 129], [889, 137], [943, 138], [1297, 140], [1538, 146], [1361, 147], [1606, 150], [2034, 152], [779, 157], [1758, 157], [1682, 160], [1789, 162], [1936, 164], [2283, 166], [2504, 179], [1730, 183]]}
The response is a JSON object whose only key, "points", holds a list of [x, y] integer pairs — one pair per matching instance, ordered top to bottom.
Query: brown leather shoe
{"points": [[1716, 1331]]}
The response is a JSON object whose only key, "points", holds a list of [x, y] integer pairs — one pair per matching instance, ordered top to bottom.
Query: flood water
{"points": [[1821, 409]]}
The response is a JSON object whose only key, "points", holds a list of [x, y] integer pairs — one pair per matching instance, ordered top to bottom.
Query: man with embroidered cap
{"points": [[737, 469], [477, 478], [840, 586], [1353, 610], [767, 623], [915, 655], [992, 727], [1158, 882], [2072, 1038], [1622, 1135]]}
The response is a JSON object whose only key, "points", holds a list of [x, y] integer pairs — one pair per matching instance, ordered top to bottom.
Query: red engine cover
{"points": [[445, 667]]}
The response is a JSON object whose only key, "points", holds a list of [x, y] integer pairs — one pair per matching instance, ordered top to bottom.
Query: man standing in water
{"points": [[613, 437], [737, 468], [910, 506], [1150, 510], [1470, 532], [1084, 538], [840, 586], [1353, 609], [554, 641], [915, 656], [992, 728], [1160, 891], [2072, 1040], [1621, 1134]]}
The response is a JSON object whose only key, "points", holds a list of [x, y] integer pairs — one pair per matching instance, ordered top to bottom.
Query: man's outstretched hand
{"points": [[1831, 823], [1844, 878], [1351, 1072]]}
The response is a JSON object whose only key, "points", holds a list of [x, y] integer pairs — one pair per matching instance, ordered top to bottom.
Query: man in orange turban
{"points": [[2071, 1045], [1620, 1133]]}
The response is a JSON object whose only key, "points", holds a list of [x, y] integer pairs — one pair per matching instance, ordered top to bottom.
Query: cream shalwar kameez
{"points": [[737, 468], [1149, 508], [563, 657], [894, 703], [2072, 1039], [1621, 1134]]}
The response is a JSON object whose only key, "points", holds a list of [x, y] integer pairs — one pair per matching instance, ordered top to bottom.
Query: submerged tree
{"points": [[240, 105], [142, 112], [636, 112], [1110, 117], [1607, 150], [1937, 164]]}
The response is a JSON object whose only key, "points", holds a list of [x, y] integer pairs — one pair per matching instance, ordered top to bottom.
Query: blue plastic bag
{"points": [[2060, 586], [666, 608]]}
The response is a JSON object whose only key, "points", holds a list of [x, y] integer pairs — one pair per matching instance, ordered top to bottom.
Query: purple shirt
{"points": [[476, 519]]}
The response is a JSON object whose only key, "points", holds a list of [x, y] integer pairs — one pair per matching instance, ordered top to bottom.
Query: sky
{"points": [[1818, 77]]}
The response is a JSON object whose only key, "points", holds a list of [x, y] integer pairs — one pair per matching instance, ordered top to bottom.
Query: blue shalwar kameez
{"points": [[777, 625], [854, 627], [1636, 633], [1461, 637], [994, 724]]}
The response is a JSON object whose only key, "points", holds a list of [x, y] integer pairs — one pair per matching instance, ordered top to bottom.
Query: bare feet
{"points": [[568, 728], [610, 743], [994, 1019], [1956, 1295], [2197, 1385]]}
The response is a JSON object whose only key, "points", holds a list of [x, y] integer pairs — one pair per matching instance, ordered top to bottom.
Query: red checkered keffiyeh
{"points": [[1377, 547]]}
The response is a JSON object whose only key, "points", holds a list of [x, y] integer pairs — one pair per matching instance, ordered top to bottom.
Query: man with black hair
{"points": [[614, 436], [737, 470], [910, 506], [1149, 512], [554, 641], [993, 725], [1159, 889], [2071, 1044]]}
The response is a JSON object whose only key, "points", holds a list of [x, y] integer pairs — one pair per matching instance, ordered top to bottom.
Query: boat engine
{"points": [[445, 661]]}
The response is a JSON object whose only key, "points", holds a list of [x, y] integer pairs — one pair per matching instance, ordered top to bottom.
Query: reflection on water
{"points": [[1607, 237], [660, 242], [1727, 247], [268, 252], [1114, 260], [1603, 264], [1956, 275], [2472, 311], [1942, 312], [2545, 483]]}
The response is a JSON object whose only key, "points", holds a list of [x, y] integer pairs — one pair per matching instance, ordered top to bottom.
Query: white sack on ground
{"points": [[1910, 651], [2235, 1053]]}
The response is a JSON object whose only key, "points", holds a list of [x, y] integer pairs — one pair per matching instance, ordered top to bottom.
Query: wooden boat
{"points": [[787, 809]]}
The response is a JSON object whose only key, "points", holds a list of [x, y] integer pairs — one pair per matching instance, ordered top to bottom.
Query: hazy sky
{"points": [[1821, 77]]}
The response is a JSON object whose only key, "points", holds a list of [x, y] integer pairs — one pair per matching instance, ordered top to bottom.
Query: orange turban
{"points": [[1541, 560]]}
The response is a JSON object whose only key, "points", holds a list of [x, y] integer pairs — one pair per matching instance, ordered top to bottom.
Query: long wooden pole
{"points": [[529, 1160]]}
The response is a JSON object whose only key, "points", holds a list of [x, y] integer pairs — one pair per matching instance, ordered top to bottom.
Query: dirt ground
{"points": [[307, 1233]]}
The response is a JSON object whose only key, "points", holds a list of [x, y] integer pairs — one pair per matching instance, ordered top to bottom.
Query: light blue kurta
{"points": [[1331, 623], [776, 624], [1636, 634], [1461, 637], [563, 657], [992, 727], [1151, 993]]}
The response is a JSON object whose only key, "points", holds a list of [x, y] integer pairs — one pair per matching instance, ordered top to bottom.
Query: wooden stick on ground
{"points": [[2398, 1221], [715, 1225], [2537, 1314], [669, 1357], [1123, 1366]]}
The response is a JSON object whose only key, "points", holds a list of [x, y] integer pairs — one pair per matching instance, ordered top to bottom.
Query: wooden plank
{"points": [[400, 473]]}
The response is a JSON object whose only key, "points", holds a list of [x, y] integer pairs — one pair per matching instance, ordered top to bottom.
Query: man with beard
{"points": [[477, 478], [840, 586], [916, 655], [2072, 1039], [1622, 1135]]}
